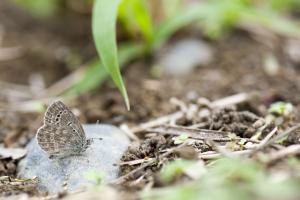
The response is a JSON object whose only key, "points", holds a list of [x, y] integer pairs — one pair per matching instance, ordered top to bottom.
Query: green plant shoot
{"points": [[104, 34]]}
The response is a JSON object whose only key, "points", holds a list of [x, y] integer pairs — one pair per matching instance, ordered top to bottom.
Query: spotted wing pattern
{"points": [[58, 114], [62, 134], [57, 141]]}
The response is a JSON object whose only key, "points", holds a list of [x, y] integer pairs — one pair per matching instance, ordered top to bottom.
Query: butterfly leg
{"points": [[51, 157]]}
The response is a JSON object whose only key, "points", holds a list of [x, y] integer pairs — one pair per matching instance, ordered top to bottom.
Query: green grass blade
{"points": [[211, 16], [215, 16], [136, 17], [144, 20], [272, 21], [172, 24], [104, 32]]}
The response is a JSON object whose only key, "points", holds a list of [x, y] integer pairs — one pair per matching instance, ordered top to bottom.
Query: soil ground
{"points": [[237, 67]]}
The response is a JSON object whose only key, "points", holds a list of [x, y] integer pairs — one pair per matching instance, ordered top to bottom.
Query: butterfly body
{"points": [[62, 134]]}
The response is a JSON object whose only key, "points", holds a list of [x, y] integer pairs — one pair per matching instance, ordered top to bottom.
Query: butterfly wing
{"points": [[58, 114], [59, 140]]}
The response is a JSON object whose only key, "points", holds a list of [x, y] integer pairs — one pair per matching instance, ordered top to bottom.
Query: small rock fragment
{"points": [[292, 49], [185, 55], [14, 153]]}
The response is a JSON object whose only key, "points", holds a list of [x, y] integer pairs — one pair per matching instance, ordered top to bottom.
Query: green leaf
{"points": [[171, 7], [198, 12], [135, 16], [214, 17], [271, 20], [174, 23], [104, 33], [93, 77], [281, 108], [180, 139], [177, 168], [94, 176], [230, 179]]}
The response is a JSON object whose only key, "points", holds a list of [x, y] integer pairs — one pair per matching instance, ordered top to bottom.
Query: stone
{"points": [[292, 49], [185, 55], [101, 157]]}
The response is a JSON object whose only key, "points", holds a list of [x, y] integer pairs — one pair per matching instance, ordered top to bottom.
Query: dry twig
{"points": [[10, 53], [230, 100], [227, 101], [157, 122], [129, 133], [285, 133], [202, 134], [264, 142], [220, 149], [288, 151], [210, 156], [135, 162], [124, 177]]}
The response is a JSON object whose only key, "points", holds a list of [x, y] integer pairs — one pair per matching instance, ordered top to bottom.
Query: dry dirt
{"points": [[237, 67]]}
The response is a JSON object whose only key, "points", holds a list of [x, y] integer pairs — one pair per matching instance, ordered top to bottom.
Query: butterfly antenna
{"points": [[96, 138]]}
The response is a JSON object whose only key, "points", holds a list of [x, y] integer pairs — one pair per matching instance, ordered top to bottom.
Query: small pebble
{"points": [[184, 56]]}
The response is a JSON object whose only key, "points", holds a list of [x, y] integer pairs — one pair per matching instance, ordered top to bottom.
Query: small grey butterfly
{"points": [[62, 134]]}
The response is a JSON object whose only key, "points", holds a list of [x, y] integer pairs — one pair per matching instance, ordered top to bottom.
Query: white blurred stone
{"points": [[292, 49], [183, 56], [271, 65]]}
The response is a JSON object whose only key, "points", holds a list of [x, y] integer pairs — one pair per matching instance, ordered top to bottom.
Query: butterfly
{"points": [[62, 134]]}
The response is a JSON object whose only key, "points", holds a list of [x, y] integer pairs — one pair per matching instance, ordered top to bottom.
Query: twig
{"points": [[10, 53], [37, 85], [14, 86], [15, 91], [14, 95], [230, 100], [157, 122], [199, 125], [259, 131], [129, 133], [285, 133], [200, 134], [264, 142], [221, 150], [288, 151], [217, 155], [135, 162], [124, 177], [138, 180]]}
